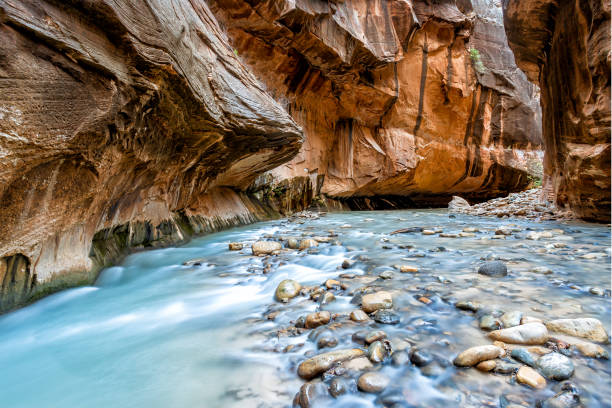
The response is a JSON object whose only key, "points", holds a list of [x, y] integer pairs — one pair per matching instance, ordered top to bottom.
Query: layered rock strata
{"points": [[564, 47], [408, 101], [122, 125]]}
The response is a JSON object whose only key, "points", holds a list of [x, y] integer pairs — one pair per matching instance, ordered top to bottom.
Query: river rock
{"points": [[458, 204], [293, 243], [308, 243], [235, 246], [265, 247], [408, 269], [494, 269], [287, 289], [375, 301], [469, 305], [359, 316], [386, 317], [317, 319], [511, 319], [488, 322], [587, 328], [530, 333], [375, 336], [591, 350], [377, 352], [475, 355], [524, 356], [399, 358], [420, 358], [358, 364], [316, 365], [486, 366], [555, 366], [529, 376], [373, 382], [339, 386], [309, 393], [564, 399]]}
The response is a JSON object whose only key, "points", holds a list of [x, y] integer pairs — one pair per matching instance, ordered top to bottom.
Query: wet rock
{"points": [[458, 204], [428, 232], [293, 243], [308, 243], [235, 246], [265, 247], [195, 262], [347, 263], [408, 269], [494, 269], [543, 270], [386, 275], [332, 284], [287, 289], [597, 291], [327, 298], [375, 301], [469, 305], [359, 316], [386, 317], [317, 319], [511, 319], [488, 322], [588, 328], [530, 333], [375, 336], [327, 342], [591, 350], [377, 352], [475, 355], [524, 356], [400, 358], [420, 358], [318, 364], [358, 364], [486, 366], [555, 366], [506, 367], [529, 376], [373, 382], [339, 386], [309, 393], [564, 399]]}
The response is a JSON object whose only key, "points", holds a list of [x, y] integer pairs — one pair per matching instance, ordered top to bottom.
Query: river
{"points": [[153, 332]]}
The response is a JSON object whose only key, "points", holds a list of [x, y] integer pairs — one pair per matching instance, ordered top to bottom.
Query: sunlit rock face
{"points": [[564, 47], [396, 98], [122, 125]]}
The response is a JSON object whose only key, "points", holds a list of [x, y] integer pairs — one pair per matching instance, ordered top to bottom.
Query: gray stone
{"points": [[494, 269], [555, 366]]}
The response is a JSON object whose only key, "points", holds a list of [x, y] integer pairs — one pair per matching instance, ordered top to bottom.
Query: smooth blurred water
{"points": [[155, 333]]}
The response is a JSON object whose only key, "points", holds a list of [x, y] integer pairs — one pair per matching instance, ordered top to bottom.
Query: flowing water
{"points": [[153, 332]]}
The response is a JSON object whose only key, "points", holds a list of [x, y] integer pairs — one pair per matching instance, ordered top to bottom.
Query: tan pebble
{"points": [[487, 365], [529, 376]]}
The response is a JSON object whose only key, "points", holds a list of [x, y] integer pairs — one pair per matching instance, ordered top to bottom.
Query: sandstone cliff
{"points": [[564, 47], [411, 101], [122, 124]]}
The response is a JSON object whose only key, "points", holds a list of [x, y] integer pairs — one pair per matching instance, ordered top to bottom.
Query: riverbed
{"points": [[198, 325]]}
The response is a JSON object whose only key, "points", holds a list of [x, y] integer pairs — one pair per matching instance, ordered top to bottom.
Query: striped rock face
{"points": [[405, 100]]}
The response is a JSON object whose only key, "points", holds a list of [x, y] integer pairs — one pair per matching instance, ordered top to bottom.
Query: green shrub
{"points": [[476, 61]]}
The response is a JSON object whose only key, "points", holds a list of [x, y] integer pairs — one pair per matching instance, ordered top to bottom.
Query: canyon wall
{"points": [[564, 47], [404, 101], [122, 125], [127, 125]]}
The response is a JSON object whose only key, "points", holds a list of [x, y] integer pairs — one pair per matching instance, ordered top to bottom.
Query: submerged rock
{"points": [[235, 246], [494, 269], [287, 289], [386, 317], [317, 319], [318, 364], [555, 366], [373, 382]]}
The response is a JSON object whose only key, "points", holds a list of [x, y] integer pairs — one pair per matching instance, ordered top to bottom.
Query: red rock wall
{"points": [[564, 47], [388, 97], [127, 118]]}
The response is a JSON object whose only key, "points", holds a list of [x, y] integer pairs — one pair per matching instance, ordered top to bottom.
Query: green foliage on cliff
{"points": [[476, 61]]}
